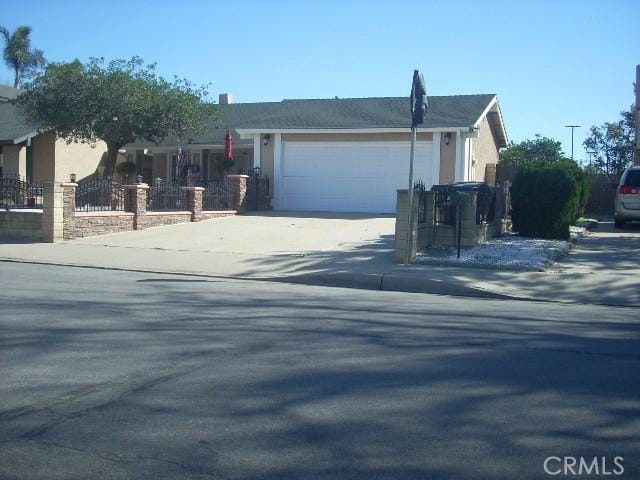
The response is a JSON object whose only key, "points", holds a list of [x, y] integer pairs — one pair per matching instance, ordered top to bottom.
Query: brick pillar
{"points": [[238, 184], [194, 199], [137, 203], [69, 207], [402, 210], [52, 212]]}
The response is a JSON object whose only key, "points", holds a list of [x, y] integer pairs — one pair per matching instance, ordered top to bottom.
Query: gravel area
{"points": [[510, 252]]}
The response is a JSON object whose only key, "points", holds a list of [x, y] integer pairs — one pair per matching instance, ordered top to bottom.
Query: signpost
{"points": [[419, 106]]}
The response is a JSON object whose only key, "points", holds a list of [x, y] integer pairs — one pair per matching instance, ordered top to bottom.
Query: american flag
{"points": [[180, 163]]}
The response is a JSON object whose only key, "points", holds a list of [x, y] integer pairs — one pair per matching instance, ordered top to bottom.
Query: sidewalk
{"points": [[601, 269]]}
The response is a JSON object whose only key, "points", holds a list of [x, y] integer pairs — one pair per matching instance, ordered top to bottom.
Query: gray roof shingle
{"points": [[385, 112], [340, 113], [14, 125]]}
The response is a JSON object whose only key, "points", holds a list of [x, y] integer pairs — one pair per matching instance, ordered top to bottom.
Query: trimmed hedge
{"points": [[546, 199]]}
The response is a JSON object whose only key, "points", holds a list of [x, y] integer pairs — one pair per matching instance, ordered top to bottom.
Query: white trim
{"points": [[493, 101], [250, 132], [26, 138], [391, 143], [189, 146], [256, 151], [435, 159], [277, 170], [458, 174]]}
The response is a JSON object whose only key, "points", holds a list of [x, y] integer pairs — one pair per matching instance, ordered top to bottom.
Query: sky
{"points": [[551, 63]]}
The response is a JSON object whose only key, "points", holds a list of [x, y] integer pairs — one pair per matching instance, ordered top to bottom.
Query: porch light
{"points": [[447, 138], [265, 139], [72, 177]]}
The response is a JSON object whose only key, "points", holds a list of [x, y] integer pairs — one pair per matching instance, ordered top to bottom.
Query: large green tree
{"points": [[18, 54], [117, 102], [611, 146], [540, 149]]}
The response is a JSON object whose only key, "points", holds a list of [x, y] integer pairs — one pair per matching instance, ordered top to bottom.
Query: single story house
{"points": [[332, 155], [342, 155], [37, 156]]}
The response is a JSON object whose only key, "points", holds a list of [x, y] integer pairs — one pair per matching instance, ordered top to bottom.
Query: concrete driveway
{"points": [[269, 233]]}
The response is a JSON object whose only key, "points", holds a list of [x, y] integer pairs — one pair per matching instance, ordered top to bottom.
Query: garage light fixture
{"points": [[447, 138], [265, 139]]}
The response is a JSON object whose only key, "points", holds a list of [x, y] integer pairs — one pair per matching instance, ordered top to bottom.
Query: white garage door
{"points": [[349, 176]]}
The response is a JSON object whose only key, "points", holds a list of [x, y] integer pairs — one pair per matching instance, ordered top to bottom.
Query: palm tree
{"points": [[18, 54]]}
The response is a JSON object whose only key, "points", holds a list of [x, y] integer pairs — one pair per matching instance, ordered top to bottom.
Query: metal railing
{"points": [[257, 189], [17, 193], [100, 194], [218, 195], [167, 196], [419, 196], [486, 203], [445, 211]]}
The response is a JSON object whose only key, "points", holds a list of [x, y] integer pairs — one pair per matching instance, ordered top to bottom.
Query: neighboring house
{"points": [[342, 155], [38, 156]]}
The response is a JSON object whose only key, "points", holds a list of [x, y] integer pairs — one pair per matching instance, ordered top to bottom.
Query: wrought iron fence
{"points": [[257, 189], [17, 193], [100, 194], [218, 195], [165, 196], [419, 196], [486, 206], [445, 212]]}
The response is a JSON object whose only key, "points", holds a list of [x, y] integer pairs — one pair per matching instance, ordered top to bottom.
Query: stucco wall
{"points": [[483, 150], [43, 157], [266, 157], [78, 158], [447, 159], [14, 160]]}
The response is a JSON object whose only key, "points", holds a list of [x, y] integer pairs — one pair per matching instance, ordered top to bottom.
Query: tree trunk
{"points": [[16, 81], [112, 156]]}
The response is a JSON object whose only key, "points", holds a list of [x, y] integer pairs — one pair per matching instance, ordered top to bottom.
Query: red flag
{"points": [[228, 146]]}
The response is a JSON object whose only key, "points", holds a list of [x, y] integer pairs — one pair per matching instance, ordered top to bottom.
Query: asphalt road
{"points": [[114, 375]]}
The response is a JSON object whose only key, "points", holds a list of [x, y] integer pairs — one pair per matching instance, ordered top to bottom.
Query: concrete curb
{"points": [[363, 281], [391, 283]]}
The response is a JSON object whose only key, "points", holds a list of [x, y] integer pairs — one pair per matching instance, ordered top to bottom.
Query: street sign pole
{"points": [[418, 100], [410, 197]]}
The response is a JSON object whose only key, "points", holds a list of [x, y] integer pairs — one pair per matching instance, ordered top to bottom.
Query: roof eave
{"points": [[494, 106], [250, 132]]}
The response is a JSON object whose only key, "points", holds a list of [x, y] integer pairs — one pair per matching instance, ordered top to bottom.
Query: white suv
{"points": [[627, 203]]}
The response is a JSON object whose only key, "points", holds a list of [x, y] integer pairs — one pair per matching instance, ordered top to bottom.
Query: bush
{"points": [[125, 169], [582, 183], [546, 200]]}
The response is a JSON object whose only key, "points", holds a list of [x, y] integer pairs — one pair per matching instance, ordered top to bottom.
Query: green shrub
{"points": [[126, 168], [582, 183], [545, 200]]}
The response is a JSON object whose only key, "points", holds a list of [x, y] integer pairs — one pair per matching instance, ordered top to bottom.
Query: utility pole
{"points": [[572, 127]]}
